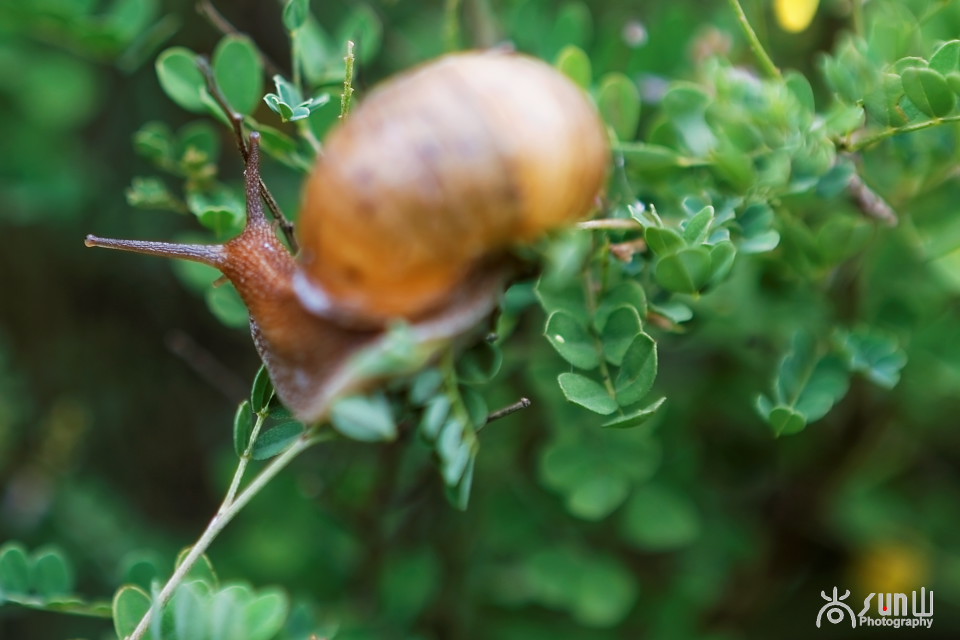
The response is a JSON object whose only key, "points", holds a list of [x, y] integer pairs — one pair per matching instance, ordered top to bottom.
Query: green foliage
{"points": [[776, 255], [203, 609]]}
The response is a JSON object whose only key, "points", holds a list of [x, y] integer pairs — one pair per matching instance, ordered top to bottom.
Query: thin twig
{"points": [[206, 9], [451, 25], [766, 64], [347, 81], [236, 122], [894, 131], [870, 203], [619, 224], [624, 251], [208, 367], [520, 404], [230, 508]]}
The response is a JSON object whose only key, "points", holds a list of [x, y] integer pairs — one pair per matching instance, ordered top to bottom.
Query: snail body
{"points": [[408, 214]]}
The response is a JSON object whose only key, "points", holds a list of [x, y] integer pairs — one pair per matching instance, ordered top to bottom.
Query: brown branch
{"points": [[206, 9], [236, 123], [870, 203], [520, 404]]}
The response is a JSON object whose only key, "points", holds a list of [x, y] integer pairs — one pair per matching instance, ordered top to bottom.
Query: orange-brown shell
{"points": [[439, 168]]}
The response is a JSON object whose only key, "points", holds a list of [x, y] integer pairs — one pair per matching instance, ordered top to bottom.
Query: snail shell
{"points": [[438, 168]]}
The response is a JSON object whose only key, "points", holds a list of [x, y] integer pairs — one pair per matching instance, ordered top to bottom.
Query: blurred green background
{"points": [[118, 386]]}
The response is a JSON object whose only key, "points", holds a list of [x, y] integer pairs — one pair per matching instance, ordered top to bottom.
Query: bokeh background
{"points": [[118, 385]]}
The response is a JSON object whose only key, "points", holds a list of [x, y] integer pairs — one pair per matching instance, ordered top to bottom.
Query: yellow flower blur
{"points": [[795, 15]]}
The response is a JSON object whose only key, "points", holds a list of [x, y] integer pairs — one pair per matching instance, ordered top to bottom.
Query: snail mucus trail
{"points": [[410, 214]]}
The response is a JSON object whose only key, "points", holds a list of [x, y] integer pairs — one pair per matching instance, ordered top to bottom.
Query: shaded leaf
{"points": [[574, 63], [181, 79], [618, 100], [571, 340], [639, 370], [587, 393], [365, 418], [636, 418], [276, 440]]}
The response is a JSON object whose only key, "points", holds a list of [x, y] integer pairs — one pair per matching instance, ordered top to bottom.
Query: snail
{"points": [[409, 214]]}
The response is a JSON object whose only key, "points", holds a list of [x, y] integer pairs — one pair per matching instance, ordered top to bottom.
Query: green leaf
{"points": [[295, 13], [946, 58], [575, 64], [239, 72], [181, 79], [953, 81], [798, 85], [929, 91], [618, 100], [883, 103], [843, 119], [154, 141], [650, 157], [151, 193], [221, 210], [696, 228], [842, 237], [663, 241], [760, 243], [722, 256], [686, 271], [628, 293], [567, 296], [227, 305], [673, 310], [621, 327], [571, 340], [875, 354], [479, 364], [639, 370], [827, 384], [425, 386], [262, 390], [587, 393], [475, 405], [434, 417], [364, 418], [635, 418], [786, 421], [242, 428], [276, 440], [456, 445], [459, 494], [598, 496], [660, 519], [14, 570], [201, 571], [52, 575], [606, 593], [130, 604], [189, 607], [265, 615], [228, 617]]}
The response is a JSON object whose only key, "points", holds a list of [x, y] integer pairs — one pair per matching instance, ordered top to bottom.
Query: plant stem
{"points": [[857, 11], [451, 25], [766, 64], [347, 82], [894, 131], [622, 224], [231, 507]]}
